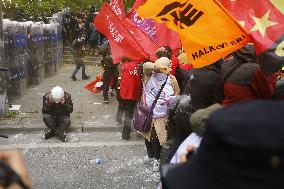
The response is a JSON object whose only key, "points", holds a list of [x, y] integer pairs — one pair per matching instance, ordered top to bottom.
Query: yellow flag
{"points": [[207, 32]]}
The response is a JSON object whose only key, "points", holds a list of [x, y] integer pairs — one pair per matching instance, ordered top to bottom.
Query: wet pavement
{"points": [[94, 156]]}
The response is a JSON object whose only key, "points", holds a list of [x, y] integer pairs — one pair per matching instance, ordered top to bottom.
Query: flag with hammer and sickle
{"points": [[206, 31]]}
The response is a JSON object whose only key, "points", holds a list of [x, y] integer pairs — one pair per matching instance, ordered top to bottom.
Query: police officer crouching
{"points": [[57, 106]]}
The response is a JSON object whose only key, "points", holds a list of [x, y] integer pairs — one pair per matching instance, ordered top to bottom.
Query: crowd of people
{"points": [[76, 25], [233, 97], [225, 117]]}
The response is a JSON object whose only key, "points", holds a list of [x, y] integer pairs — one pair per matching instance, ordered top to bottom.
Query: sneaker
{"points": [[73, 77], [86, 77], [112, 92], [105, 100], [50, 133], [63, 137], [148, 161], [156, 165]]}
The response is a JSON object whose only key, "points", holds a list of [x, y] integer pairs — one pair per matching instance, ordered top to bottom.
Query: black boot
{"points": [[73, 77], [85, 77], [105, 95], [50, 133], [125, 134], [62, 137]]}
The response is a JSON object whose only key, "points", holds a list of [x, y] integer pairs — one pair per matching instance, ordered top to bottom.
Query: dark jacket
{"points": [[78, 49], [107, 63], [183, 79], [243, 79], [205, 86], [279, 91], [56, 109]]}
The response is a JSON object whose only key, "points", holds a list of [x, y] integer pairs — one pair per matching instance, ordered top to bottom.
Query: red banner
{"points": [[118, 7], [264, 20], [121, 41], [149, 46]]}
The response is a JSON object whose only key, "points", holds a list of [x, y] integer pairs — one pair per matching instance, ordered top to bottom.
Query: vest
{"points": [[131, 81]]}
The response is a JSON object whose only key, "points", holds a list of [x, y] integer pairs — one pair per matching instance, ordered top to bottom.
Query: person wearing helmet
{"points": [[57, 106]]}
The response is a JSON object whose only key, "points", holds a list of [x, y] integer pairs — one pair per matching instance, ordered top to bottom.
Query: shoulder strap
{"points": [[158, 95]]}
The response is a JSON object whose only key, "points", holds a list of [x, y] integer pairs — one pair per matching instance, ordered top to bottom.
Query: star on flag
{"points": [[264, 21], [261, 24]]}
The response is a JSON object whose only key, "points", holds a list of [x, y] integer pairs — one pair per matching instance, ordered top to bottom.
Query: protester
{"points": [[93, 39], [166, 51], [78, 55], [110, 70], [183, 73], [154, 76], [243, 79], [206, 86], [130, 92], [57, 106], [178, 127], [182, 133], [242, 145], [14, 174]]}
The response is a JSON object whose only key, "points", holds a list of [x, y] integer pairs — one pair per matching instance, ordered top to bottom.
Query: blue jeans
{"points": [[79, 63], [57, 123]]}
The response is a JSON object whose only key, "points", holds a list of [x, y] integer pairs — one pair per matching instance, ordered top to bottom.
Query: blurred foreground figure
{"points": [[57, 106], [243, 144], [13, 172]]}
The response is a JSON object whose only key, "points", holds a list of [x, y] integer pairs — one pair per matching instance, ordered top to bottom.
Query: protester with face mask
{"points": [[78, 56], [155, 75], [57, 106]]}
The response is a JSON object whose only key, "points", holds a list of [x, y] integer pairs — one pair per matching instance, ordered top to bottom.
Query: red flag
{"points": [[118, 7], [264, 20], [158, 32], [164, 34], [121, 41], [144, 41], [149, 46], [96, 85]]}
